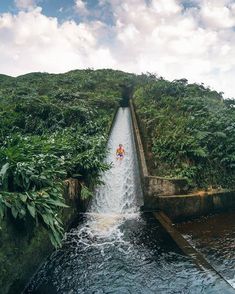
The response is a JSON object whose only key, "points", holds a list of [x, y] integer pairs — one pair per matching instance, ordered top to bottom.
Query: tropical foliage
{"points": [[56, 126], [53, 127], [190, 131]]}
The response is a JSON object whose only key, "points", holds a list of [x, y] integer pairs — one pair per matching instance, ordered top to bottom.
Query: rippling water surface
{"points": [[214, 236], [115, 249], [141, 259]]}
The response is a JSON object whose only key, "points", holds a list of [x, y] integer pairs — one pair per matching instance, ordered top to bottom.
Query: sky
{"points": [[175, 39]]}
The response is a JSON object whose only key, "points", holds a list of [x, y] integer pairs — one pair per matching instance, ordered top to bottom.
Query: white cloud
{"points": [[25, 4], [81, 7], [166, 7], [218, 14], [161, 37], [30, 41]]}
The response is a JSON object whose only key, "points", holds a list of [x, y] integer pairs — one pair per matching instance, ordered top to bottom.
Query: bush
{"points": [[53, 127], [190, 130]]}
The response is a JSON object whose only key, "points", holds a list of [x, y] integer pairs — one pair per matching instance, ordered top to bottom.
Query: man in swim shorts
{"points": [[120, 152]]}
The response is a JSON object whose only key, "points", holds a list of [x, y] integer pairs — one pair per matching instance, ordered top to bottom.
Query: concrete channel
{"points": [[162, 197]]}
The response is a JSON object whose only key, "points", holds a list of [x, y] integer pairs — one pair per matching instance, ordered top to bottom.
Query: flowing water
{"points": [[116, 249]]}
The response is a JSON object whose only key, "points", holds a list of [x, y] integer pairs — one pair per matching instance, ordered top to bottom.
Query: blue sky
{"points": [[64, 9], [193, 39]]}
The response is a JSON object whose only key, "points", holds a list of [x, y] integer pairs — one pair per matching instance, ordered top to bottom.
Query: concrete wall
{"points": [[139, 145], [152, 185], [164, 186], [170, 195], [181, 207], [23, 247]]}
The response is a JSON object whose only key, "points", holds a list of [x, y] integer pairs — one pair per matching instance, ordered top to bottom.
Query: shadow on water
{"points": [[214, 237]]}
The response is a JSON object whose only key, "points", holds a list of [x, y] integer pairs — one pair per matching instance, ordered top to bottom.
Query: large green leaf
{"points": [[4, 170], [23, 197], [31, 210], [14, 211]]}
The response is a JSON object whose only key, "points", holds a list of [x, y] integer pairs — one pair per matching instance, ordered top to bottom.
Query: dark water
{"points": [[214, 237], [142, 259]]}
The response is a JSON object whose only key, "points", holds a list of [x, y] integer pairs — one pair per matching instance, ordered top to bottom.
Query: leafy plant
{"points": [[53, 127], [190, 131], [85, 193], [43, 206]]}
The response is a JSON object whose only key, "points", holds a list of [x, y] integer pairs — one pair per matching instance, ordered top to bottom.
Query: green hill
{"points": [[55, 126], [190, 132]]}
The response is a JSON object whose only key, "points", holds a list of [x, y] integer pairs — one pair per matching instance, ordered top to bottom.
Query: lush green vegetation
{"points": [[56, 126], [53, 127], [190, 131]]}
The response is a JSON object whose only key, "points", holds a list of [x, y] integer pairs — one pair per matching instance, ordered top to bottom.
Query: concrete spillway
{"points": [[121, 191], [120, 195], [115, 249]]}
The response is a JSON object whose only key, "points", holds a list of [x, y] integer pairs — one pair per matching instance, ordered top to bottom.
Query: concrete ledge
{"points": [[138, 143], [154, 187], [179, 207]]}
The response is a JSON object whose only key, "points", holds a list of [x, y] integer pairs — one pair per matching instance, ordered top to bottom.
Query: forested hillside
{"points": [[56, 126], [53, 127], [190, 132]]}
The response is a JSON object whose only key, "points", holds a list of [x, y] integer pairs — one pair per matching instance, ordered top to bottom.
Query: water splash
{"points": [[116, 200]]}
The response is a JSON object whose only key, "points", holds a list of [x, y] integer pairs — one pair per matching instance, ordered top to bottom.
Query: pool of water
{"points": [[214, 237], [141, 258]]}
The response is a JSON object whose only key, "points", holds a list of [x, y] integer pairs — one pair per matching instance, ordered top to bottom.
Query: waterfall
{"points": [[121, 186], [120, 195]]}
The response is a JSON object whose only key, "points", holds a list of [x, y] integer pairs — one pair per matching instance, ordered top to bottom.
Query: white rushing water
{"points": [[121, 182], [120, 195]]}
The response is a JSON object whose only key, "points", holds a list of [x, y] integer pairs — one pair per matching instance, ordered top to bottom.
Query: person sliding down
{"points": [[120, 152]]}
